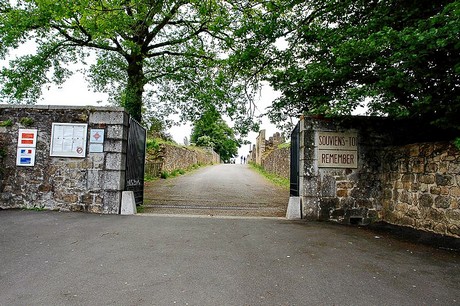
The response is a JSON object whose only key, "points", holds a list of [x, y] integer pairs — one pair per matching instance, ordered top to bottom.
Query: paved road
{"points": [[224, 189], [51, 258]]}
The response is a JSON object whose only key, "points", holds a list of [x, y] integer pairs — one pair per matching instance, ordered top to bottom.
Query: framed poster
{"points": [[68, 139]]}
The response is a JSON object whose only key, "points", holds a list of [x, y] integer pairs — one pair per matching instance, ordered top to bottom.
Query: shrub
{"points": [[8, 122]]}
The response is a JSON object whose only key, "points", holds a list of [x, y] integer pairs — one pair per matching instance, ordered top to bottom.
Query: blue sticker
{"points": [[25, 160]]}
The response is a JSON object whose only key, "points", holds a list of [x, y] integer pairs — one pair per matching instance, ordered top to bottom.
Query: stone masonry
{"points": [[267, 154], [170, 157], [403, 176], [92, 184], [421, 187]]}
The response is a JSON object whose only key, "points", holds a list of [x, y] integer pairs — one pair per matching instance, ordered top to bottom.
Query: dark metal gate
{"points": [[135, 160], [295, 161]]}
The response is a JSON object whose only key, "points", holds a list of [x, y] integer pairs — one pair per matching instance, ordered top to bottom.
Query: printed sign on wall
{"points": [[27, 138], [68, 139], [96, 140], [27, 141], [337, 150], [25, 157]]}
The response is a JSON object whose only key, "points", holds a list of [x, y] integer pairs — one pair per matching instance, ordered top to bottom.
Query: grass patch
{"points": [[177, 172], [149, 178], [277, 180], [140, 209]]}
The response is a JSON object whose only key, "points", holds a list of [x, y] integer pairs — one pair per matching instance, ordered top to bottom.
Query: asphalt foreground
{"points": [[51, 258]]}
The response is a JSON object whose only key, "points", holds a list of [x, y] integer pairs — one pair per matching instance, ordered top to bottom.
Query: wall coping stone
{"points": [[64, 107]]}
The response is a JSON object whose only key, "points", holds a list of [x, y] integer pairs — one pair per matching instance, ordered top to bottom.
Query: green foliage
{"points": [[155, 58], [398, 58], [26, 121], [6, 123], [210, 130], [457, 142], [152, 144], [284, 145], [177, 172], [174, 173], [164, 174], [277, 180]]}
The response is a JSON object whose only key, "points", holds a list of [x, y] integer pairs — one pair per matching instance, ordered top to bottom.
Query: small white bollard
{"points": [[128, 203], [293, 209]]}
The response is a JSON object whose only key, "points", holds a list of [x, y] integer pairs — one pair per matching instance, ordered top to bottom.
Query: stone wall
{"points": [[265, 152], [169, 158], [277, 161], [402, 176], [93, 183], [421, 187]]}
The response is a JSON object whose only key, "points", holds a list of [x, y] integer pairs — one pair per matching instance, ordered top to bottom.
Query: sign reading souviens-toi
{"points": [[337, 150]]}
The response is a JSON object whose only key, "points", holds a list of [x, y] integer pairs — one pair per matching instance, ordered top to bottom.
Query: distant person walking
{"points": [[244, 159]]}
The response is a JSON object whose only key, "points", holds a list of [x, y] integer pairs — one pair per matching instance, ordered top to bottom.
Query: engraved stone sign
{"points": [[337, 150]]}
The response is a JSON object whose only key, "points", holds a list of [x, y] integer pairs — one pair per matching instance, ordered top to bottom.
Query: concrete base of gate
{"points": [[128, 203], [293, 210]]}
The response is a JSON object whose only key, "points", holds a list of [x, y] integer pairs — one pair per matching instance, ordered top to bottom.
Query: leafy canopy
{"points": [[148, 52], [399, 58]]}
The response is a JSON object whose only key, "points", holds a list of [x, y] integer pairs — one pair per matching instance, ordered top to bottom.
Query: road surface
{"points": [[224, 189], [52, 258]]}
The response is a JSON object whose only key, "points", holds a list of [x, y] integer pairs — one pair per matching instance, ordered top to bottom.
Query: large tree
{"points": [[141, 47], [398, 57], [210, 130]]}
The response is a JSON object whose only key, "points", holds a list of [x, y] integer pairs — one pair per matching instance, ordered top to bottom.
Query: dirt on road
{"points": [[224, 189]]}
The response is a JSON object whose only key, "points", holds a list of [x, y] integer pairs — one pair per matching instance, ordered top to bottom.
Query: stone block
{"points": [[108, 117], [118, 132], [115, 146], [97, 160], [115, 161], [417, 165], [431, 168], [426, 178], [94, 179], [113, 180], [443, 180], [311, 186], [328, 187], [455, 191], [342, 193], [87, 198], [425, 200], [111, 202], [442, 202], [310, 208], [95, 209]]}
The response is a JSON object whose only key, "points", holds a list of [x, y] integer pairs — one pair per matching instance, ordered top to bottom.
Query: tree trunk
{"points": [[134, 89]]}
